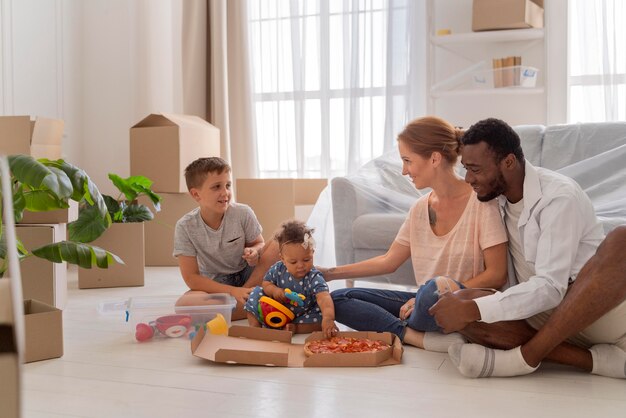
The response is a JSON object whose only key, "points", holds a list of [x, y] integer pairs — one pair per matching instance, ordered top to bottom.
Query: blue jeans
{"points": [[379, 310]]}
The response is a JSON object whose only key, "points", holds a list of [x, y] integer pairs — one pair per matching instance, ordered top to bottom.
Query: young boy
{"points": [[219, 244]]}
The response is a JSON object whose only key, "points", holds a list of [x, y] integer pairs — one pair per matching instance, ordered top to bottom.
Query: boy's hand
{"points": [[251, 255], [240, 293], [329, 328]]}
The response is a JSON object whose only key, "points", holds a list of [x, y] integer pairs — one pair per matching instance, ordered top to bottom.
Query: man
{"points": [[569, 303]]}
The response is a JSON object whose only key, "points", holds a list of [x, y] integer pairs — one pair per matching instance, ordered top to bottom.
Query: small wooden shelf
{"points": [[511, 35]]}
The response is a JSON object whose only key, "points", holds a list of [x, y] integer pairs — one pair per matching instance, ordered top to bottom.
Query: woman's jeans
{"points": [[365, 309]]}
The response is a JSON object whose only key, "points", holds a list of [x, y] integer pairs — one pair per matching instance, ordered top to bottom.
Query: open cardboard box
{"points": [[506, 14], [40, 138], [43, 331], [267, 347]]}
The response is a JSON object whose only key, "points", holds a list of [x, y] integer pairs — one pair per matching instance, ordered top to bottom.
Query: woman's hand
{"points": [[407, 308]]}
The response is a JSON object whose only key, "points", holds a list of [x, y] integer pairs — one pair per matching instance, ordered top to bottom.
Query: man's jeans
{"points": [[365, 309]]}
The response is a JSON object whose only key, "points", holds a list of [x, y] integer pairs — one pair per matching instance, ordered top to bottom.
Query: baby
{"points": [[296, 273]]}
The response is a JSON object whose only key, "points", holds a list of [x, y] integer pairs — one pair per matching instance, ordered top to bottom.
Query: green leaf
{"points": [[31, 172], [84, 188], [42, 201], [114, 208], [137, 213], [89, 225], [86, 256]]}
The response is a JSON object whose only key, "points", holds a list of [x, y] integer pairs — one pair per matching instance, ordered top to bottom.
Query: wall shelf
{"points": [[511, 35], [487, 92]]}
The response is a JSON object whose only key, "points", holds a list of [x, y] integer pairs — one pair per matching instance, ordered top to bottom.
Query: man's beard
{"points": [[498, 186]]}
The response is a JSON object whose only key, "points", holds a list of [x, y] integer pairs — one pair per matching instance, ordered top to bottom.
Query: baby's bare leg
{"points": [[252, 321]]}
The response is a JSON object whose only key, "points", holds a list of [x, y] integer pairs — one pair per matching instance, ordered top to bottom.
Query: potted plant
{"points": [[43, 185], [126, 234]]}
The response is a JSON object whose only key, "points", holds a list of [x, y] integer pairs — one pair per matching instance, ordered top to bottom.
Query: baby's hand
{"points": [[251, 255], [279, 295], [329, 328]]}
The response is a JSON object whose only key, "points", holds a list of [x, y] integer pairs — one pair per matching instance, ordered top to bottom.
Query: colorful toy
{"points": [[296, 299], [273, 313], [172, 326]]}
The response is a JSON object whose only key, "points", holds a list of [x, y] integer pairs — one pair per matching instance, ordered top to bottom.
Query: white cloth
{"points": [[559, 232], [521, 268]]}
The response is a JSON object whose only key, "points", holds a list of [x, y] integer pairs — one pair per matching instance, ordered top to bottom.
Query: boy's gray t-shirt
{"points": [[218, 251]]}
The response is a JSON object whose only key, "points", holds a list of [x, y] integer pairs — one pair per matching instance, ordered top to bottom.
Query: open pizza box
{"points": [[268, 347]]}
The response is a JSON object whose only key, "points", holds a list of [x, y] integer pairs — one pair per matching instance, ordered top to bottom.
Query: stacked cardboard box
{"points": [[40, 138], [161, 146], [277, 200]]}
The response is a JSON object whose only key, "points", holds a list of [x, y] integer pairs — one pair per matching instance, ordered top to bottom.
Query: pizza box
{"points": [[268, 347]]}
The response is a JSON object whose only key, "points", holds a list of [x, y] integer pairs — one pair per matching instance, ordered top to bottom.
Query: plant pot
{"points": [[126, 240]]}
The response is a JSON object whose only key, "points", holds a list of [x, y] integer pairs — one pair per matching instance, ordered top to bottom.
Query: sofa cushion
{"points": [[531, 137], [568, 144], [376, 231]]}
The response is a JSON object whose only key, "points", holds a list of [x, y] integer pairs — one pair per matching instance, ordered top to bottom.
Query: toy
{"points": [[296, 299], [273, 313], [172, 326], [216, 326]]}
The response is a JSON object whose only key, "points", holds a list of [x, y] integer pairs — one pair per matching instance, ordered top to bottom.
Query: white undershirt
{"points": [[523, 269]]}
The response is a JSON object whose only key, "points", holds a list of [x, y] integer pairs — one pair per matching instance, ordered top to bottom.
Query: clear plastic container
{"points": [[518, 76], [154, 317]]}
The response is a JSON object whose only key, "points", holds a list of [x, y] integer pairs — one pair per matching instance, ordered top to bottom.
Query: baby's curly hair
{"points": [[293, 231]]}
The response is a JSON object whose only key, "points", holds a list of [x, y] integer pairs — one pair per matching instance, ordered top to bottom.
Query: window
{"points": [[597, 62], [329, 80]]}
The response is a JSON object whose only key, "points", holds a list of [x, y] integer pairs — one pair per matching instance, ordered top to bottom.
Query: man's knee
{"points": [[446, 285]]}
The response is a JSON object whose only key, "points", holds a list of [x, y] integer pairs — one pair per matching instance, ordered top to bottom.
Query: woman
{"points": [[448, 233]]}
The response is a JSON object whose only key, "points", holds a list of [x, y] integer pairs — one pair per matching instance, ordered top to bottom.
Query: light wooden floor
{"points": [[105, 373]]}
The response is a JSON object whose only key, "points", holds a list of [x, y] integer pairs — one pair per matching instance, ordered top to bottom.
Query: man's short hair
{"points": [[499, 136], [196, 172]]}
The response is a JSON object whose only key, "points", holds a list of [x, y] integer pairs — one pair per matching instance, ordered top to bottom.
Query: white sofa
{"points": [[369, 207]]}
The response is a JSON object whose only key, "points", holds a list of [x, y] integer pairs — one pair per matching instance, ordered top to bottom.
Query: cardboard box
{"points": [[506, 14], [40, 138], [161, 147], [277, 200], [59, 216], [159, 232], [126, 240], [42, 279], [43, 331], [267, 347]]}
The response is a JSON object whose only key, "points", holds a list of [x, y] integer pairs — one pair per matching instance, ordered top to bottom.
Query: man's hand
{"points": [[251, 255], [240, 293], [453, 313]]}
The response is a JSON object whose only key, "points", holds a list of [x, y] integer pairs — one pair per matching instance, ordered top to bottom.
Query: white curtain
{"points": [[597, 63], [333, 81], [229, 85]]}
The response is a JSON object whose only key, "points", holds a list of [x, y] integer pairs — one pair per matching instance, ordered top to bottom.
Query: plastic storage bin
{"points": [[517, 77], [158, 317]]}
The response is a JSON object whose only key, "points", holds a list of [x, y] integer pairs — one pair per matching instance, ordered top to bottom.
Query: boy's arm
{"points": [[252, 251], [191, 275], [325, 303]]}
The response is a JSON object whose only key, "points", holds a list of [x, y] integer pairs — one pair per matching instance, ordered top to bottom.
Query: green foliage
{"points": [[44, 185], [126, 208]]}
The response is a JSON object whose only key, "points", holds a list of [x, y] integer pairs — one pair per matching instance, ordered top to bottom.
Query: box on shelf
{"points": [[506, 14], [516, 76], [39, 138], [162, 145], [277, 200], [59, 216], [159, 232], [126, 240], [42, 279], [159, 317], [43, 331], [269, 347]]}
